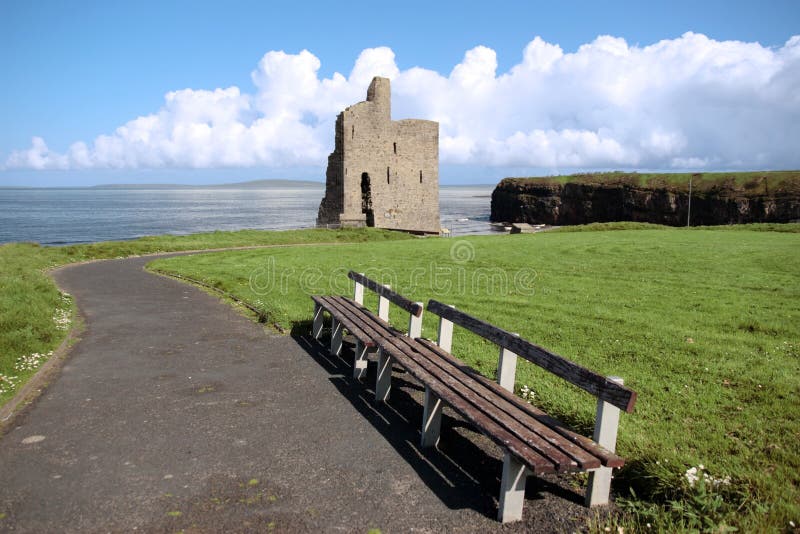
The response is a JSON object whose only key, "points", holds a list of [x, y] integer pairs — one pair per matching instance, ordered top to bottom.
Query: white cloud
{"points": [[690, 102]]}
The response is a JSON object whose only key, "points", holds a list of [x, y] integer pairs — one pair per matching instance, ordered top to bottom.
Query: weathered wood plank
{"points": [[398, 299], [331, 305], [372, 326], [596, 384], [482, 406], [508, 410], [498, 434], [583, 450], [565, 451], [565, 455], [606, 457]]}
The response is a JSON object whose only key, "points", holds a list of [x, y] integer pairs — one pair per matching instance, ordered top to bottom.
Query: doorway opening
{"points": [[366, 199]]}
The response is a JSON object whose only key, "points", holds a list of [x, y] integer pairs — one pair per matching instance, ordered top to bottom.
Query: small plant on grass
{"points": [[31, 362], [8, 383], [527, 393], [694, 501]]}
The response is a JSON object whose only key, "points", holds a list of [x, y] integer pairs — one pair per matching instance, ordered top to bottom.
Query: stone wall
{"points": [[382, 173]]}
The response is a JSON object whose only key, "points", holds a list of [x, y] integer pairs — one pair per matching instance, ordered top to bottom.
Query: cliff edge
{"points": [[716, 198]]}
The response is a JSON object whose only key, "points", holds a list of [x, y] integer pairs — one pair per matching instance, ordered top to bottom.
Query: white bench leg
{"points": [[316, 326], [336, 337], [360, 361], [383, 384], [431, 420], [605, 433], [599, 488], [512, 489]]}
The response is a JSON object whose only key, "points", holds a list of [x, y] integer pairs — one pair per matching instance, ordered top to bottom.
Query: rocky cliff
{"points": [[662, 199]]}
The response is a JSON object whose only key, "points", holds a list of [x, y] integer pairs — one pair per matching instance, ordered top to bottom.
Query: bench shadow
{"points": [[463, 471]]}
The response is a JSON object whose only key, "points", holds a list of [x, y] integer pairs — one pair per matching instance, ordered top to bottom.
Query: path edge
{"points": [[36, 385]]}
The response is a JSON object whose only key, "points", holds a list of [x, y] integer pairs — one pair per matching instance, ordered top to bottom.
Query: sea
{"points": [[64, 216]]}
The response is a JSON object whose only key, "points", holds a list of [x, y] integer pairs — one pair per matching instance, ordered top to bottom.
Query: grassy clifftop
{"points": [[753, 182], [660, 198]]}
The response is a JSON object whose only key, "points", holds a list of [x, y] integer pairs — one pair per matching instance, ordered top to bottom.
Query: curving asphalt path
{"points": [[174, 412]]}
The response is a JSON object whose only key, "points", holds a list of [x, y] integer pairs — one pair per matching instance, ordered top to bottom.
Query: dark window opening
{"points": [[353, 131], [395, 148], [387, 175], [420, 176], [366, 199]]}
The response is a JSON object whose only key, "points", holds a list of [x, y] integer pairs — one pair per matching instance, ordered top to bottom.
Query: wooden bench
{"points": [[350, 314], [534, 443]]}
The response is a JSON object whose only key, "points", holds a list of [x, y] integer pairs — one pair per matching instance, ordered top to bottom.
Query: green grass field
{"points": [[35, 317], [703, 323]]}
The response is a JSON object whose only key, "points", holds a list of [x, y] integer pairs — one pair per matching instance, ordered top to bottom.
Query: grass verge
{"points": [[35, 316], [702, 323]]}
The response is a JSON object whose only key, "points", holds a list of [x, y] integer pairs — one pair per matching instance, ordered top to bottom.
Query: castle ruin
{"points": [[382, 173]]}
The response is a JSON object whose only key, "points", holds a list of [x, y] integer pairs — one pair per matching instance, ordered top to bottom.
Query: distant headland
{"points": [[671, 199]]}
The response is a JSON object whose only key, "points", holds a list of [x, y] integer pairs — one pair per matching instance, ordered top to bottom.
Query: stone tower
{"points": [[382, 173]]}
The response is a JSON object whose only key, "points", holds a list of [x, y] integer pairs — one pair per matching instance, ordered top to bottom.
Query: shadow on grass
{"points": [[463, 471]]}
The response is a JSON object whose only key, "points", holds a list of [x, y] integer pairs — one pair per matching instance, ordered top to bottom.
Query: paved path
{"points": [[175, 412]]}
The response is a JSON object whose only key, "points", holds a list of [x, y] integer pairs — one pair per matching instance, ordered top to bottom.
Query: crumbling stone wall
{"points": [[382, 173]]}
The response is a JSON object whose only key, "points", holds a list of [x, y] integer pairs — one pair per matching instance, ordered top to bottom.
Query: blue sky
{"points": [[73, 71]]}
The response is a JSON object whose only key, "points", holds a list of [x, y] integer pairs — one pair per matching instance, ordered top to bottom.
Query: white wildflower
{"points": [[62, 319], [7, 383], [693, 475]]}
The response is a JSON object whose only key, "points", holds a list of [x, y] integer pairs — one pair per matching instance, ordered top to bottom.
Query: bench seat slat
{"points": [[341, 315], [370, 325], [391, 340], [598, 385], [480, 408], [497, 433], [539, 440], [574, 453], [566, 455], [608, 458]]}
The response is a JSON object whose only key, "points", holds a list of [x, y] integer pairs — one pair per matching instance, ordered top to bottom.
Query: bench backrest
{"points": [[386, 295], [604, 388]]}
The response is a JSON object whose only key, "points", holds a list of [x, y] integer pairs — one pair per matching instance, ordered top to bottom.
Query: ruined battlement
{"points": [[382, 173]]}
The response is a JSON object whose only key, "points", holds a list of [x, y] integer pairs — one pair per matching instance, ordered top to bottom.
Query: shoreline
{"points": [[69, 217]]}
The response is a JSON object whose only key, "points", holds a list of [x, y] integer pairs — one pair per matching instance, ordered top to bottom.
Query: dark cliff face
{"points": [[542, 202]]}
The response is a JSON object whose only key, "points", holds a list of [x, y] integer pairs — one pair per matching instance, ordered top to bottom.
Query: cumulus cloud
{"points": [[685, 103]]}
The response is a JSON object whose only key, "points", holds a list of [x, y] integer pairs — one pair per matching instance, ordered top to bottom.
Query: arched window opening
{"points": [[387, 176], [420, 176]]}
